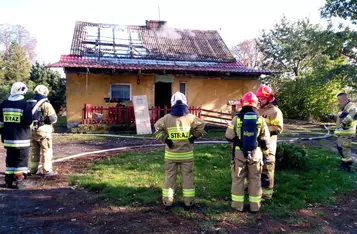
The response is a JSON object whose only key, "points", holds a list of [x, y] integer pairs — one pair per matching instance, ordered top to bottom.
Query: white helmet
{"points": [[18, 88], [41, 89], [178, 97]]}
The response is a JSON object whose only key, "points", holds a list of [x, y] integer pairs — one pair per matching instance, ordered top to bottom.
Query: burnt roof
{"points": [[153, 41]]}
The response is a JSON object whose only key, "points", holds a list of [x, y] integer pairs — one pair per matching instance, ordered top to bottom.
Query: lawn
{"points": [[136, 179]]}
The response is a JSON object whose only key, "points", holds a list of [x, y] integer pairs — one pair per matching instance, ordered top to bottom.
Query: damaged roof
{"points": [[153, 41], [153, 46]]}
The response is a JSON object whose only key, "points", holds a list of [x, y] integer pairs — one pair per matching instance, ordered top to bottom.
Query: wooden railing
{"points": [[124, 115]]}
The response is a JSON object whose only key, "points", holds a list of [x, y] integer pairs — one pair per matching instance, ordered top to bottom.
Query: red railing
{"points": [[124, 115]]}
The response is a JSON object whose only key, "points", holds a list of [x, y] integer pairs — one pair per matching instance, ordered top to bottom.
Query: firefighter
{"points": [[269, 110], [15, 122], [179, 130], [345, 130], [250, 135], [41, 140]]}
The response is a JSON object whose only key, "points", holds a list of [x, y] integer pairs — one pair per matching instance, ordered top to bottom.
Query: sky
{"points": [[52, 21]]}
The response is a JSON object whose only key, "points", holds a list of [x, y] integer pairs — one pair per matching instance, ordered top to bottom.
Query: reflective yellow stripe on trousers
{"points": [[178, 156], [168, 192], [188, 192], [237, 198], [255, 198]]}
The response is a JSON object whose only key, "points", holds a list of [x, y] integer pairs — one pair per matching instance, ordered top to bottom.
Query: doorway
{"points": [[163, 95]]}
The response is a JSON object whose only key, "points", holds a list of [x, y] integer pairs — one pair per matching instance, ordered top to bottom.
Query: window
{"points": [[183, 88], [121, 92]]}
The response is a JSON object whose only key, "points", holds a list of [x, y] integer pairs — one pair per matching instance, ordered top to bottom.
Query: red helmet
{"points": [[267, 92], [249, 99]]}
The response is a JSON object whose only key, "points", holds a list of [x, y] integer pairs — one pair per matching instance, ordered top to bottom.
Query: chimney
{"points": [[154, 24]]}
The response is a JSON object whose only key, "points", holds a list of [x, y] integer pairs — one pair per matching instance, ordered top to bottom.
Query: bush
{"points": [[290, 156]]}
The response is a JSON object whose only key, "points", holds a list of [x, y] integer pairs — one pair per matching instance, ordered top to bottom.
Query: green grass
{"points": [[69, 137], [136, 179]]}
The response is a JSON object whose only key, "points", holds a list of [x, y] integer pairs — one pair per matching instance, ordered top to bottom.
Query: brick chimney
{"points": [[154, 24]]}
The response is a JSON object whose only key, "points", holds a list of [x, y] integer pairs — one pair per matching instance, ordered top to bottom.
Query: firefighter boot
{"points": [[9, 179], [19, 180]]}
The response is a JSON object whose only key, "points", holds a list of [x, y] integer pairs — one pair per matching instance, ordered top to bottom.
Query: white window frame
{"points": [[185, 87], [130, 98]]}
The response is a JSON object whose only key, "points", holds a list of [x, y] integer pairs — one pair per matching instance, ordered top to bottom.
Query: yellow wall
{"points": [[98, 87], [208, 93], [213, 94]]}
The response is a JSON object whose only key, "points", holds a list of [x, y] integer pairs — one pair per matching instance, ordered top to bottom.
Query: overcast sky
{"points": [[52, 22]]}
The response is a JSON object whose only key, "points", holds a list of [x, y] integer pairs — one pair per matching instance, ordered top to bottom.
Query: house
{"points": [[114, 62]]}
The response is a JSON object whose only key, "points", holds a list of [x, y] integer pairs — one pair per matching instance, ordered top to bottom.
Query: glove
{"points": [[343, 115], [332, 117], [343, 126], [192, 139], [169, 142]]}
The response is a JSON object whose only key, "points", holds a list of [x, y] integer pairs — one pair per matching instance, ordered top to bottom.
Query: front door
{"points": [[163, 95]]}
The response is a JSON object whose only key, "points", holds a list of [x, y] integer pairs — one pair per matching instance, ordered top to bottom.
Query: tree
{"points": [[345, 9], [20, 35], [290, 46], [248, 53], [17, 67], [1, 69], [40, 74]]}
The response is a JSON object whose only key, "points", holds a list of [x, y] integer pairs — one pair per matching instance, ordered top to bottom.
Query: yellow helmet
{"points": [[41, 89]]}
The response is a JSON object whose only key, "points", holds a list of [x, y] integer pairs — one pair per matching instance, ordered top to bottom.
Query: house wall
{"points": [[208, 93]]}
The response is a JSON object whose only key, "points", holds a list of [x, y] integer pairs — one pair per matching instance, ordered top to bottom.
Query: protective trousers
{"points": [[344, 143], [41, 144], [344, 146], [16, 165], [242, 168], [269, 169], [188, 188]]}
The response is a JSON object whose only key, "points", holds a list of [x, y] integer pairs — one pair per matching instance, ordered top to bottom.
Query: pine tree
{"points": [[17, 67]]}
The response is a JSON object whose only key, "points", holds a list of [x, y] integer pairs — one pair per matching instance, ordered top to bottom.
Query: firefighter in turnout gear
{"points": [[268, 109], [15, 122], [179, 130], [345, 130], [250, 137], [41, 141]]}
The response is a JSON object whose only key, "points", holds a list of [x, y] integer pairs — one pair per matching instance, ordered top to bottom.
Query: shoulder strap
{"points": [[38, 104]]}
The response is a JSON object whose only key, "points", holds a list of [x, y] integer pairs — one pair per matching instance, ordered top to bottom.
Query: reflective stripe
{"points": [[13, 110], [12, 113], [250, 117], [349, 117], [231, 126], [345, 132], [158, 135], [16, 143], [237, 148], [265, 151], [178, 156], [15, 170], [268, 191], [168, 192], [188, 192], [237, 198], [255, 198]]}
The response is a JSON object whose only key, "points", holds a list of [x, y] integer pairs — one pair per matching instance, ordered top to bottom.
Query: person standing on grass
{"points": [[268, 109], [15, 122], [179, 130], [345, 130], [250, 137], [41, 140]]}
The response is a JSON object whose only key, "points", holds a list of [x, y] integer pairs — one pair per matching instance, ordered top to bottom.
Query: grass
{"points": [[136, 179]]}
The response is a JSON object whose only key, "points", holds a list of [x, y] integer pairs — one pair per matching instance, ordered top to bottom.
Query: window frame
{"points": [[130, 92], [185, 93]]}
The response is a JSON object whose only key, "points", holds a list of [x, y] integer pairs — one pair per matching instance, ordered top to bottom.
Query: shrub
{"points": [[291, 156]]}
